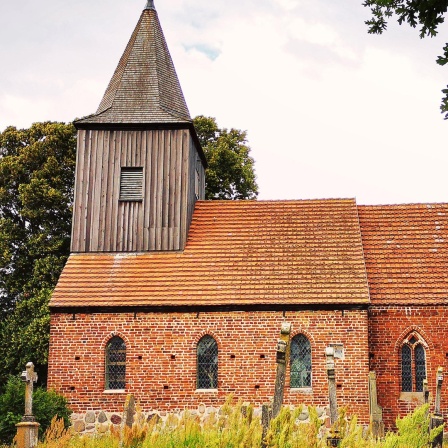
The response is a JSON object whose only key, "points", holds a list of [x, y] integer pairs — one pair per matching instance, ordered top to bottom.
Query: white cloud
{"points": [[330, 110]]}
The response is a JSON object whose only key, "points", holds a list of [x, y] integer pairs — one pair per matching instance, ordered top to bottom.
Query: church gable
{"points": [[406, 252]]}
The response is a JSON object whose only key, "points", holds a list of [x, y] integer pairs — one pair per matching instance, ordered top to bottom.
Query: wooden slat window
{"points": [[131, 184]]}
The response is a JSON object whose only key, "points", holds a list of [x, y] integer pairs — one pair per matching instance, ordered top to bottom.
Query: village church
{"points": [[179, 301]]}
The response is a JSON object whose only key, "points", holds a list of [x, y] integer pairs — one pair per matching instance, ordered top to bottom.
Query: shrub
{"points": [[46, 405], [413, 430]]}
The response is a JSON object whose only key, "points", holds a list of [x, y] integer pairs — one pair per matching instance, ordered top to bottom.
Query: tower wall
{"points": [[160, 220]]}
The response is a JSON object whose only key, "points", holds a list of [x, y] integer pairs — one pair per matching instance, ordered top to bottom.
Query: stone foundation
{"points": [[101, 422]]}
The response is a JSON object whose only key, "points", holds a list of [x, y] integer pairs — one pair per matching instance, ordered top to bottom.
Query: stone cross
{"points": [[283, 349], [329, 355], [29, 376], [438, 390], [425, 391], [376, 411], [437, 418], [28, 428]]}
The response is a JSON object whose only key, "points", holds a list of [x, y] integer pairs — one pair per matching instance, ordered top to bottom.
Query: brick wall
{"points": [[388, 326], [161, 357]]}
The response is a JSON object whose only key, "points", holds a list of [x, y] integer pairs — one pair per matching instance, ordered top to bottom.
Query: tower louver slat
{"points": [[131, 184]]}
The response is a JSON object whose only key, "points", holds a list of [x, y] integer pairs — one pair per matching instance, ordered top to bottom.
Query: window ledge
{"points": [[301, 390], [114, 391], [207, 391], [417, 397]]}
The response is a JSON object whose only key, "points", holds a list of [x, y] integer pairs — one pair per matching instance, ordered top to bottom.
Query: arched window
{"points": [[300, 360], [115, 363], [207, 363], [413, 365]]}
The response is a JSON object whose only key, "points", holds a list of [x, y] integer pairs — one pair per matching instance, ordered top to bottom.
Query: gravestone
{"points": [[283, 350], [425, 391], [268, 410], [129, 411], [376, 411], [266, 415], [128, 417], [437, 417], [27, 429], [333, 440]]}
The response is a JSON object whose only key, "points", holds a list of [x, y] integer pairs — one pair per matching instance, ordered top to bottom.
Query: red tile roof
{"points": [[238, 252], [406, 252]]}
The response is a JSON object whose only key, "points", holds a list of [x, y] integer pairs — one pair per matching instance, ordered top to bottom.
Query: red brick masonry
{"points": [[388, 327], [161, 357]]}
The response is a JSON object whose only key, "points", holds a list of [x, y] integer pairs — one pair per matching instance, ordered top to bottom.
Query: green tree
{"points": [[426, 14], [230, 173], [36, 196], [25, 336]]}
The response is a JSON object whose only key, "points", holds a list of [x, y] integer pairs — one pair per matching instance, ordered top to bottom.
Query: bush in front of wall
{"points": [[46, 405], [413, 430]]}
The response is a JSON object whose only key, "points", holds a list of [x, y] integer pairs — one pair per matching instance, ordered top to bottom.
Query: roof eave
{"points": [[85, 123]]}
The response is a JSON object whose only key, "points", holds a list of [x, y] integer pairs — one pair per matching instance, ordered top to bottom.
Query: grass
{"points": [[237, 427]]}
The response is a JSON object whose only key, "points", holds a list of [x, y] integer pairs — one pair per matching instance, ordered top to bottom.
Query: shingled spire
{"points": [[144, 87]]}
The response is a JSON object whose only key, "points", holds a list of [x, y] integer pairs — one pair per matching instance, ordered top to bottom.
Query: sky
{"points": [[330, 111]]}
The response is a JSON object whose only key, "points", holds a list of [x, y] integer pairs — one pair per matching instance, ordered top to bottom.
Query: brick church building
{"points": [[180, 301]]}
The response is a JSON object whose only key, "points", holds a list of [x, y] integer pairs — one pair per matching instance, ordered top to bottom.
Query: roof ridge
{"points": [[264, 201], [404, 204]]}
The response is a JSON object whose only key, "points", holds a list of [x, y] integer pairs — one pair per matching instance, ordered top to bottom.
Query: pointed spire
{"points": [[150, 4], [144, 87]]}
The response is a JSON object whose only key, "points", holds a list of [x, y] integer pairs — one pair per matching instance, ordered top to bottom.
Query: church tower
{"points": [[140, 167]]}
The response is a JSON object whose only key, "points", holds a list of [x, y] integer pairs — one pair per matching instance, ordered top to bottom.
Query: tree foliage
{"points": [[426, 14], [230, 173], [36, 195], [25, 336]]}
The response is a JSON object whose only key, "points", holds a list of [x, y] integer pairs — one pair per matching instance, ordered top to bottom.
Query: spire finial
{"points": [[150, 4]]}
